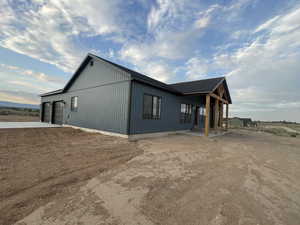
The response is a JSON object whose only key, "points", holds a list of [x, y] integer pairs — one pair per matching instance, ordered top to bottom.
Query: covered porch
{"points": [[213, 98], [216, 114], [211, 115]]}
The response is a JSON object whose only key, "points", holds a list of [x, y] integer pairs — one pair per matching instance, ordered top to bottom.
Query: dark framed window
{"points": [[74, 104], [151, 107], [185, 113]]}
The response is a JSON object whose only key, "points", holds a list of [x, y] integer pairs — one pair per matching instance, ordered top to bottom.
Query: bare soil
{"points": [[16, 118], [40, 165], [241, 178]]}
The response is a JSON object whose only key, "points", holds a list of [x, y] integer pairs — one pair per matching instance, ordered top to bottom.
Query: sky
{"points": [[254, 43]]}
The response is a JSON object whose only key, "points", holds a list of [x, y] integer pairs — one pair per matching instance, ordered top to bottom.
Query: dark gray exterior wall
{"points": [[103, 99], [170, 110]]}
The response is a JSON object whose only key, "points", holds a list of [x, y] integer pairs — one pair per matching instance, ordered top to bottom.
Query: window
{"points": [[74, 104], [151, 107], [202, 111], [185, 113]]}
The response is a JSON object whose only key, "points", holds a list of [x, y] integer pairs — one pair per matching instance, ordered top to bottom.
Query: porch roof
{"points": [[205, 86]]}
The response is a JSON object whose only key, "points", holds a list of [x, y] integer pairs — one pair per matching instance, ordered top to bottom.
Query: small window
{"points": [[74, 104], [151, 107], [185, 113]]}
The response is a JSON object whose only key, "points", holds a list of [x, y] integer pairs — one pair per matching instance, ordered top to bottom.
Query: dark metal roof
{"points": [[198, 86], [201, 86], [184, 88]]}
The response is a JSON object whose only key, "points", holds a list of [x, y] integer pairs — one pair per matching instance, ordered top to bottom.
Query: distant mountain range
{"points": [[18, 105]]}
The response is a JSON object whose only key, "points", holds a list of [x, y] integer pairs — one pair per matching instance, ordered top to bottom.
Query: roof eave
{"points": [[158, 87], [51, 93], [195, 93]]}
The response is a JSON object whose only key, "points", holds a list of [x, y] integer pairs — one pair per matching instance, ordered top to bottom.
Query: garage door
{"points": [[58, 111], [46, 112]]}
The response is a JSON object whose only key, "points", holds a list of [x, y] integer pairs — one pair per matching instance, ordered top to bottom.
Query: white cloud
{"points": [[165, 12], [205, 16], [99, 17], [202, 22], [267, 24], [176, 28], [48, 29], [45, 30], [173, 37], [141, 57], [197, 68], [158, 70], [264, 74], [36, 75], [23, 80], [26, 84], [19, 97]]}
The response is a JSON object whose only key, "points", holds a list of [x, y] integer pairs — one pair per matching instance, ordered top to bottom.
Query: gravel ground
{"points": [[15, 118], [241, 178]]}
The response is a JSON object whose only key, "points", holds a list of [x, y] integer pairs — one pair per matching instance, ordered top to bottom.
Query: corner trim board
{"points": [[129, 107]]}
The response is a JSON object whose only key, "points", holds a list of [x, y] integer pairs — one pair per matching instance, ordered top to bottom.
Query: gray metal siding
{"points": [[100, 73], [103, 99], [170, 110]]}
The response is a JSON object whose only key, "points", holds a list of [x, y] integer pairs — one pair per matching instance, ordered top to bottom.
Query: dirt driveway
{"points": [[40, 165], [244, 178]]}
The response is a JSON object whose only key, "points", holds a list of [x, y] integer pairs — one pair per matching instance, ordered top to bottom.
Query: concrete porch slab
{"points": [[7, 125], [201, 134]]}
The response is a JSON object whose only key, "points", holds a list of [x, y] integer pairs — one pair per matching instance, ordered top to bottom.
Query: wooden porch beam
{"points": [[218, 97], [207, 109]]}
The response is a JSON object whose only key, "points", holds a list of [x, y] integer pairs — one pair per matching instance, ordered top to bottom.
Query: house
{"points": [[111, 98], [241, 122]]}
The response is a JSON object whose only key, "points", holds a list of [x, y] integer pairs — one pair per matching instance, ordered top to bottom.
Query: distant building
{"points": [[241, 122]]}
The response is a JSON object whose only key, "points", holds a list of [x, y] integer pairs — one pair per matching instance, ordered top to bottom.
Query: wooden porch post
{"points": [[227, 106], [207, 109], [216, 114], [221, 115]]}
